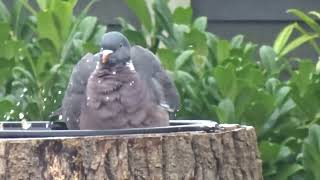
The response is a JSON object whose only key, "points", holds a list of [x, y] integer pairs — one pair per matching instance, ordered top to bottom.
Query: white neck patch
{"points": [[130, 65]]}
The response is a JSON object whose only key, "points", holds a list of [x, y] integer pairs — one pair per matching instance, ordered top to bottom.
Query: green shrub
{"points": [[40, 46], [225, 81]]}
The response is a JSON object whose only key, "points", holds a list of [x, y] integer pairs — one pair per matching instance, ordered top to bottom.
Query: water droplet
{"points": [[33, 40], [20, 49], [21, 57], [87, 60], [114, 72], [99, 81], [25, 90], [42, 91], [59, 92], [21, 95], [88, 98], [107, 98], [45, 99], [54, 101], [18, 103], [43, 107], [11, 111], [21, 115], [60, 117], [7, 118], [68, 118], [25, 124]]}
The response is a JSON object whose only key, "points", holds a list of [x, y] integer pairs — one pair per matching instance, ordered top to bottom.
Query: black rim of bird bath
{"points": [[33, 129]]}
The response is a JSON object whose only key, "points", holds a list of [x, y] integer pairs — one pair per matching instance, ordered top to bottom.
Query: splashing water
{"points": [[114, 72], [25, 90], [59, 92], [21, 95], [107, 98], [45, 99], [54, 101], [18, 103], [11, 111], [21, 115], [60, 117]]}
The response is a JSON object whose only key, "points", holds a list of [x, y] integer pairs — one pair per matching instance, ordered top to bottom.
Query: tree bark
{"points": [[230, 154]]}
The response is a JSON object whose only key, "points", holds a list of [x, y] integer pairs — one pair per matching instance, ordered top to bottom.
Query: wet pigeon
{"points": [[119, 87]]}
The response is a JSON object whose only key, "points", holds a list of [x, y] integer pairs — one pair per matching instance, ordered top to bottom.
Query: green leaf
{"points": [[43, 4], [140, 9], [4, 12], [315, 13], [182, 15], [164, 17], [306, 19], [200, 23], [87, 27], [47, 29], [4, 32], [282, 38], [197, 41], [236, 42], [296, 43], [223, 51], [167, 57], [182, 58], [268, 59], [302, 77], [226, 81], [282, 94], [6, 106], [225, 111], [269, 151], [311, 151], [287, 170]]}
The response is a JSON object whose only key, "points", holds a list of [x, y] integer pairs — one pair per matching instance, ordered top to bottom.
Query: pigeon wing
{"points": [[150, 70], [75, 95]]}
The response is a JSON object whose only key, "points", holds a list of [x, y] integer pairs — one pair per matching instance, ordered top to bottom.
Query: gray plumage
{"points": [[126, 99]]}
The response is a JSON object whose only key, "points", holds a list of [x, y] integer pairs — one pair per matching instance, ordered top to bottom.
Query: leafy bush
{"points": [[40, 47], [224, 81]]}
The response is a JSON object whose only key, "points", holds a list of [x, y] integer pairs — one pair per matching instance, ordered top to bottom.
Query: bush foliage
{"points": [[229, 81]]}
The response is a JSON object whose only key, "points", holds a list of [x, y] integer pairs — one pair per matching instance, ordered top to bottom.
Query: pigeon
{"points": [[122, 86]]}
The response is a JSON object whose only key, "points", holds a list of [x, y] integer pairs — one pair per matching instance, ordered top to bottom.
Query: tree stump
{"points": [[229, 154]]}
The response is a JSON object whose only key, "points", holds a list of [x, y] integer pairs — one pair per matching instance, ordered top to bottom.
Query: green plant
{"points": [[36, 63], [224, 81]]}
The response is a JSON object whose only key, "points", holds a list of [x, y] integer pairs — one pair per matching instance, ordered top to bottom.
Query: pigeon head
{"points": [[115, 49]]}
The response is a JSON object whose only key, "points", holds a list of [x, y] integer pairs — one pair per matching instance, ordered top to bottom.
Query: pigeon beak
{"points": [[106, 55]]}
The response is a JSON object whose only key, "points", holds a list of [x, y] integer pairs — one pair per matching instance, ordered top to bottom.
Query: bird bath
{"points": [[17, 129]]}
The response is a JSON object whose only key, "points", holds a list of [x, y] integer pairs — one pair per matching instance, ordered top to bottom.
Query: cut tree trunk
{"points": [[228, 154]]}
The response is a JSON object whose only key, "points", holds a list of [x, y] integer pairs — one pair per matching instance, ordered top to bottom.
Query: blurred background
{"points": [[248, 62]]}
